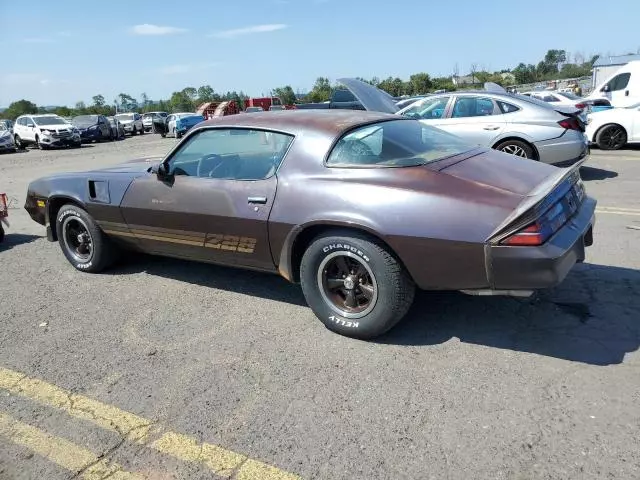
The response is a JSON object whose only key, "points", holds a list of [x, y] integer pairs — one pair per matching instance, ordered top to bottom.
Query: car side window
{"points": [[619, 82], [473, 107], [507, 107], [429, 108], [233, 154]]}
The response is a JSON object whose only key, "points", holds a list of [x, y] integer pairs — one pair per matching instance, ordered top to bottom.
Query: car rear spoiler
{"points": [[526, 212]]}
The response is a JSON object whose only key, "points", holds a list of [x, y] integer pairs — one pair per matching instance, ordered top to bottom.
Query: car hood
{"points": [[371, 98]]}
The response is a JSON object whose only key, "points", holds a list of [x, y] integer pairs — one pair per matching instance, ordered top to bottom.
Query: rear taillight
{"points": [[581, 106], [571, 124], [542, 229], [529, 236]]}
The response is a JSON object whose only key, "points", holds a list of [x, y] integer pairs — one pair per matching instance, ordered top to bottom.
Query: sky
{"points": [[59, 53]]}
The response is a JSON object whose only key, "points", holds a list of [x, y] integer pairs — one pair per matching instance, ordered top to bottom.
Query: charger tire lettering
{"points": [[347, 247]]}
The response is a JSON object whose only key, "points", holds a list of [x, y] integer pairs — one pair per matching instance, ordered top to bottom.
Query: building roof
{"points": [[603, 61]]}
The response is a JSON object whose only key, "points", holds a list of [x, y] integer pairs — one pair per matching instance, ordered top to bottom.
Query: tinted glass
{"points": [[619, 82], [570, 96], [472, 107], [507, 107], [428, 108], [49, 121], [395, 143], [238, 154]]}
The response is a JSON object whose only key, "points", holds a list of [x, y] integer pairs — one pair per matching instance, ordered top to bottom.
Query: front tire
{"points": [[611, 137], [18, 141], [517, 148], [84, 245], [354, 285]]}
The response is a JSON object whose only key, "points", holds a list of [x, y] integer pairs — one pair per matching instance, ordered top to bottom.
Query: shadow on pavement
{"points": [[592, 173], [14, 239], [255, 284], [592, 317]]}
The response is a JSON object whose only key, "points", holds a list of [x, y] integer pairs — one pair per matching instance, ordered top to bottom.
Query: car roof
{"points": [[330, 122]]}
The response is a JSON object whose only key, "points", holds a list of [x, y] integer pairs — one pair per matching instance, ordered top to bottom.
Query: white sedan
{"points": [[613, 129]]}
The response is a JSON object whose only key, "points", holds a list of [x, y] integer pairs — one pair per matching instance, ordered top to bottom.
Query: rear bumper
{"points": [[569, 148], [531, 268]]}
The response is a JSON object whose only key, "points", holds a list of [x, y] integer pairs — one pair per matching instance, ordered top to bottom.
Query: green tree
{"points": [[419, 83], [393, 86], [321, 91], [207, 94], [286, 94], [144, 99], [98, 101], [127, 102], [181, 102], [21, 107], [63, 111]]}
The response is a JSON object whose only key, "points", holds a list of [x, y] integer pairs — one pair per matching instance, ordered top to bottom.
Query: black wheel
{"points": [[142, 131], [163, 135], [178, 135], [611, 137], [18, 141], [38, 145], [77, 145], [517, 148], [1, 233], [83, 243], [354, 285]]}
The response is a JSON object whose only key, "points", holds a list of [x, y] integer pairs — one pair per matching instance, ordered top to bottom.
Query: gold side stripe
{"points": [[62, 452], [217, 459]]}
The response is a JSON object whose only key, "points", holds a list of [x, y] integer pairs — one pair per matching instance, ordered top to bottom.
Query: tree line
{"points": [[556, 64]]}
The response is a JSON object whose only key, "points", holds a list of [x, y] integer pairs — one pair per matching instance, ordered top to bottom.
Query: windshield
{"points": [[569, 95], [125, 116], [85, 120], [49, 121], [4, 125], [395, 143]]}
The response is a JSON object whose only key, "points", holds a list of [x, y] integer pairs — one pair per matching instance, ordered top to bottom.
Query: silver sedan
{"points": [[511, 123], [515, 124]]}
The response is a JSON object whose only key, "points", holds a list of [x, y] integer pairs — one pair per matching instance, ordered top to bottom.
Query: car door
{"points": [[616, 89], [475, 118], [171, 123], [103, 125], [635, 125], [29, 130], [214, 203]]}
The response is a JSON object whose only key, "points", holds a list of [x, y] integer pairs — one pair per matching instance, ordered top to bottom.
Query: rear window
{"points": [[507, 107], [395, 143]]}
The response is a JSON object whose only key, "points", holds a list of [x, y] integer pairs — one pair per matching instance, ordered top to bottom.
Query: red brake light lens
{"points": [[570, 124], [529, 236]]}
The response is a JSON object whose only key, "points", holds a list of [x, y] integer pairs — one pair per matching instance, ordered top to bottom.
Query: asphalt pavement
{"points": [[167, 369]]}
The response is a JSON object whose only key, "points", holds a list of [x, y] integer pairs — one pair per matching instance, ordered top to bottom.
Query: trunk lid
{"points": [[371, 98], [497, 170]]}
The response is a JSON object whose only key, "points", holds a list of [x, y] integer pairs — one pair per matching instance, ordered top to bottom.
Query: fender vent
{"points": [[99, 191]]}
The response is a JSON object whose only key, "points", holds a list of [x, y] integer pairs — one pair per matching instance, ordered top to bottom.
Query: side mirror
{"points": [[606, 88], [161, 171]]}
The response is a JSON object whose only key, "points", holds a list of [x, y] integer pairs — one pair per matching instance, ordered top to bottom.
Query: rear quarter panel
{"points": [[435, 223]]}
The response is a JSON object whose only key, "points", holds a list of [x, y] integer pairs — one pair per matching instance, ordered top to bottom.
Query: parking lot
{"points": [[165, 369]]}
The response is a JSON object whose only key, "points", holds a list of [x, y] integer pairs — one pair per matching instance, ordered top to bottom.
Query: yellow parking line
{"points": [[62, 452], [221, 461]]}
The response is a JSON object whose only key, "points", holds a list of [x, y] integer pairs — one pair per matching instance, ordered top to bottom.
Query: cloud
{"points": [[148, 29], [236, 32], [37, 40], [186, 68], [20, 78]]}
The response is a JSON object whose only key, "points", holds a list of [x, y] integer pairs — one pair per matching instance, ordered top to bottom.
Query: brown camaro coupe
{"points": [[358, 207]]}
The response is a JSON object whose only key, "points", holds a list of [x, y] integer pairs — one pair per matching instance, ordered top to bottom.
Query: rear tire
{"points": [[611, 137], [18, 141], [517, 148], [83, 243], [354, 285]]}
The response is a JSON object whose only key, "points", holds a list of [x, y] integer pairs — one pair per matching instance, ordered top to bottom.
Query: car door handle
{"points": [[626, 94], [491, 127], [260, 200]]}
